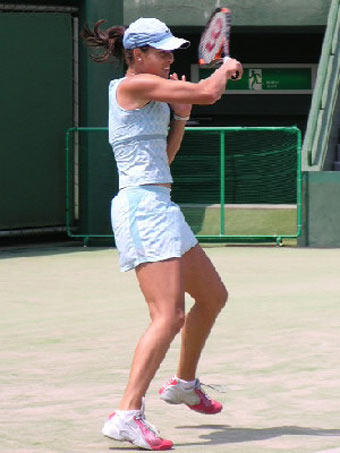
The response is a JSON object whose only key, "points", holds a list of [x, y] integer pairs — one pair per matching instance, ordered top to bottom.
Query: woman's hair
{"points": [[108, 43]]}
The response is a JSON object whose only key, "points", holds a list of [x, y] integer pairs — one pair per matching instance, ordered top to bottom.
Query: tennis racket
{"points": [[215, 39]]}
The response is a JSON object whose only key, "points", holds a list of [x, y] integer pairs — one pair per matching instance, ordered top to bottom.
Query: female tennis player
{"points": [[150, 231]]}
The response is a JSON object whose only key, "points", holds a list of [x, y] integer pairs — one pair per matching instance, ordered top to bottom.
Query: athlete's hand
{"points": [[234, 67], [180, 109]]}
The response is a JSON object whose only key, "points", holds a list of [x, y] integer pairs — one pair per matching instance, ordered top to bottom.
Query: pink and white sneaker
{"points": [[195, 398], [135, 429]]}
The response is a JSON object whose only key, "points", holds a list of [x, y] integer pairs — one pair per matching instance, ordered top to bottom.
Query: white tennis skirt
{"points": [[148, 226]]}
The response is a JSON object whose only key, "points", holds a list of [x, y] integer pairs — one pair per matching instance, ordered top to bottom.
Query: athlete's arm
{"points": [[143, 88], [177, 125], [175, 138]]}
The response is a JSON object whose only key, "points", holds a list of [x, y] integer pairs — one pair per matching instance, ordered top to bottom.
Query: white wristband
{"points": [[225, 59], [181, 118]]}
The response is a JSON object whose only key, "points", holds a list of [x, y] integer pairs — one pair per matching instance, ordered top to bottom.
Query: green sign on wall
{"points": [[267, 79]]}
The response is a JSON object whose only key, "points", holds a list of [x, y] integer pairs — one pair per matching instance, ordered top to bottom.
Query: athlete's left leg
{"points": [[205, 286]]}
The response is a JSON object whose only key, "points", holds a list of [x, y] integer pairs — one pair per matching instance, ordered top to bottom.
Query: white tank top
{"points": [[139, 141]]}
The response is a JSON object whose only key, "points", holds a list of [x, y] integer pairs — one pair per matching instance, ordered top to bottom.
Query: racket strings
{"points": [[214, 44]]}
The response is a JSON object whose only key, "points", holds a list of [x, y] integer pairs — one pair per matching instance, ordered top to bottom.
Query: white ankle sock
{"points": [[186, 384], [127, 414]]}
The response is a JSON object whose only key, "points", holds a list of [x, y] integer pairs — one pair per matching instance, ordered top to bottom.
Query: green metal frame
{"points": [[222, 237]]}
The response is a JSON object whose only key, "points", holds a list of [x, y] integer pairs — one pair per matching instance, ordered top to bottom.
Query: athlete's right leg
{"points": [[163, 288]]}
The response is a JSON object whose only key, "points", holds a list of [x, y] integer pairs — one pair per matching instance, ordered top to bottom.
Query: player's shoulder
{"points": [[141, 79], [138, 90]]}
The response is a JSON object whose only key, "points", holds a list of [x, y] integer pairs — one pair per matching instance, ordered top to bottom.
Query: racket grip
{"points": [[236, 75]]}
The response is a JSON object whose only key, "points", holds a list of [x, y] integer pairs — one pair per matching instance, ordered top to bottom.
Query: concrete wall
{"points": [[245, 12], [321, 209]]}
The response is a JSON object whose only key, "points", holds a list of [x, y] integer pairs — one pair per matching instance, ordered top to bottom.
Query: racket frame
{"points": [[222, 46]]}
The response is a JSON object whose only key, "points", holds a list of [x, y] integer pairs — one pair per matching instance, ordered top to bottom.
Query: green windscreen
{"points": [[36, 110], [259, 166]]}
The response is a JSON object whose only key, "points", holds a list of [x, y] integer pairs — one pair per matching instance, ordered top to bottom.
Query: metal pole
{"points": [[76, 117], [222, 181], [299, 185], [67, 189]]}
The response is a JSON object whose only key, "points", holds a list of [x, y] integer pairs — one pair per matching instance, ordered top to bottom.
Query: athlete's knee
{"points": [[225, 296], [221, 297], [170, 321], [176, 321]]}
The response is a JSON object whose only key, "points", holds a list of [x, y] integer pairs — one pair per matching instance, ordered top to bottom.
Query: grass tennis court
{"points": [[243, 219], [70, 321]]}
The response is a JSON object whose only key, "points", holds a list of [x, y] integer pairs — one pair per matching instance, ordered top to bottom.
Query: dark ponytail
{"points": [[109, 42]]}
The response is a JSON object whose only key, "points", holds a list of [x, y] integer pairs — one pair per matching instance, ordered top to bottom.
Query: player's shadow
{"points": [[224, 434]]}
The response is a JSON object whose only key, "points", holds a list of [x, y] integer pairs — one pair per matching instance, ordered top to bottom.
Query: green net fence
{"points": [[233, 184]]}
